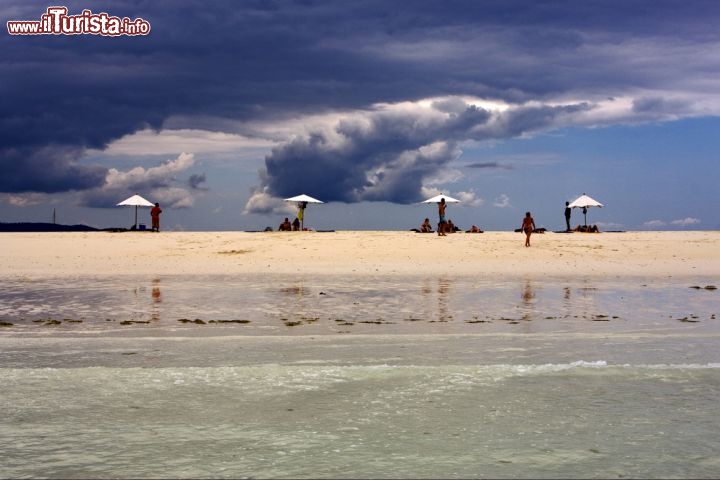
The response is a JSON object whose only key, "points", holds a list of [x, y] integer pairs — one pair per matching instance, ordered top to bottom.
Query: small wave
{"points": [[673, 366], [315, 374]]}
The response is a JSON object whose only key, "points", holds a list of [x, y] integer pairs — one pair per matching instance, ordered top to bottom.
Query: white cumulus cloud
{"points": [[503, 201], [685, 222]]}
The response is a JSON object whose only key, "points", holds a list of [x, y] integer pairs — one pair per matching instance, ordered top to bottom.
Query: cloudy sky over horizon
{"points": [[227, 107]]}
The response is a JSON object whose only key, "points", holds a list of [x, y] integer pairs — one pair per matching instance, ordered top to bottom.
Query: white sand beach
{"points": [[694, 253]]}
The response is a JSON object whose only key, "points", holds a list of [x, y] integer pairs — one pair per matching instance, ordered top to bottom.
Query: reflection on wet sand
{"points": [[528, 294], [435, 299], [156, 300], [272, 304], [292, 306], [527, 306], [444, 312]]}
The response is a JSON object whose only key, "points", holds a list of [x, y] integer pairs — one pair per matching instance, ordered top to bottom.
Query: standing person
{"points": [[301, 213], [441, 214], [155, 215], [567, 215], [528, 226]]}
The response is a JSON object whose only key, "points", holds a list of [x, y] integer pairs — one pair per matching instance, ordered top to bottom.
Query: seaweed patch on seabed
{"points": [[527, 318], [475, 319], [55, 321], [199, 321], [301, 321], [379, 321]]}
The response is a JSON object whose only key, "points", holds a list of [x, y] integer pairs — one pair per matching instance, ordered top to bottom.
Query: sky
{"points": [[223, 108]]}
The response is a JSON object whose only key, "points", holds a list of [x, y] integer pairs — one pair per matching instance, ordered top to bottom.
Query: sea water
{"points": [[362, 377]]}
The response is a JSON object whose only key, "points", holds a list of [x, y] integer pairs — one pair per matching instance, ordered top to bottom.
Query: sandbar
{"points": [[647, 254]]}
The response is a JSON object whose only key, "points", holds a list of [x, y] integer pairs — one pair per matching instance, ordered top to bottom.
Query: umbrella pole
{"points": [[136, 217]]}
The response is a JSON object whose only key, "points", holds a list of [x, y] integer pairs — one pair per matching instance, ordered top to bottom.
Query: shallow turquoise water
{"points": [[381, 421]]}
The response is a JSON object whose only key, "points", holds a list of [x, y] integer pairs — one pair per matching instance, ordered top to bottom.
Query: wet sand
{"points": [[647, 254]]}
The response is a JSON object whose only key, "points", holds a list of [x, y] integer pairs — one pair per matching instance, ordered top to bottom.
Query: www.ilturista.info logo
{"points": [[57, 22]]}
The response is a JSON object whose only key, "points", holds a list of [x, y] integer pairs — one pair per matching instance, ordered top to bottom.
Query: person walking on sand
{"points": [[441, 213], [155, 216], [567, 216], [528, 226]]}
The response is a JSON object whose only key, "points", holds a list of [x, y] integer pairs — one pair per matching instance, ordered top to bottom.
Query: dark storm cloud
{"points": [[61, 95], [387, 155], [382, 156], [46, 169], [354, 172]]}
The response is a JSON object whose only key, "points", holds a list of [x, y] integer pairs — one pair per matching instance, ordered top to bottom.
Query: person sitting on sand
{"points": [[296, 225], [285, 226], [528, 226], [426, 227], [450, 227], [474, 229]]}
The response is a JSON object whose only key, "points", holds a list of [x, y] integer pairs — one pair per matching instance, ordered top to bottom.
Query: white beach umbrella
{"points": [[303, 198], [437, 198], [136, 201], [302, 201], [584, 201]]}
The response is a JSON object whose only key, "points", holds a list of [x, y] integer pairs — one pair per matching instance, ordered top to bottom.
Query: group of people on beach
{"points": [[286, 226], [446, 226], [527, 227], [579, 228]]}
